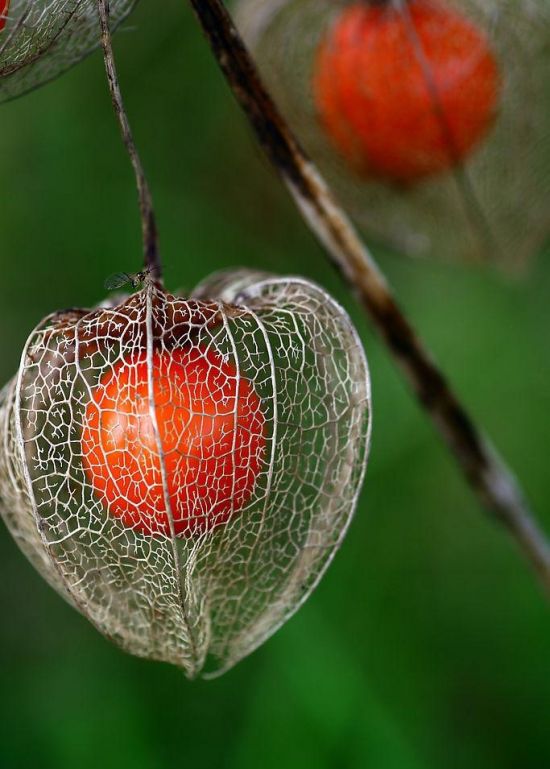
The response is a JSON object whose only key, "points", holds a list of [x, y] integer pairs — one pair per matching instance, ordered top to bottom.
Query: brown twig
{"points": [[151, 256], [486, 473]]}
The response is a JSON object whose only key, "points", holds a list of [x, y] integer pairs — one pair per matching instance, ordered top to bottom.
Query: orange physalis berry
{"points": [[405, 90], [180, 455]]}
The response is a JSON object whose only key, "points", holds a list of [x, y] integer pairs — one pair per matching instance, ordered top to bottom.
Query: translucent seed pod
{"points": [[40, 39], [428, 117], [183, 470]]}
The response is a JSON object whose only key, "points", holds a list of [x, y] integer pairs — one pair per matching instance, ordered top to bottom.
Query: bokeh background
{"points": [[428, 642]]}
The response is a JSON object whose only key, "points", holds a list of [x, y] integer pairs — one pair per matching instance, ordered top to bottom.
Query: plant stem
{"points": [[151, 258], [487, 474]]}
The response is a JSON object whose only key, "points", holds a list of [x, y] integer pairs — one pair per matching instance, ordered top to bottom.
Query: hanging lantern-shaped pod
{"points": [[40, 39], [429, 117], [183, 470]]}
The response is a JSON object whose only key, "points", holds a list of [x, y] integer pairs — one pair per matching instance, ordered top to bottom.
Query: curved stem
{"points": [[151, 258], [487, 474]]}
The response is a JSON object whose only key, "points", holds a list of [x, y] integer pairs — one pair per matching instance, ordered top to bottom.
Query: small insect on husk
{"points": [[121, 279]]}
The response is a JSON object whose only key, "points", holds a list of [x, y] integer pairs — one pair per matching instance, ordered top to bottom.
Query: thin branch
{"points": [[151, 256], [485, 471]]}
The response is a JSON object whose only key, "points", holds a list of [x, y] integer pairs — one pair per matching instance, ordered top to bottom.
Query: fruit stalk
{"points": [[151, 257], [492, 481]]}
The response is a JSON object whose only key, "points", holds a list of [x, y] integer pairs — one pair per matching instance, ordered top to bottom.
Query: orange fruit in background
{"points": [[4, 8], [405, 92], [210, 430]]}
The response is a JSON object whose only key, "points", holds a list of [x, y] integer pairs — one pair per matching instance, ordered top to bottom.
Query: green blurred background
{"points": [[428, 642]]}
